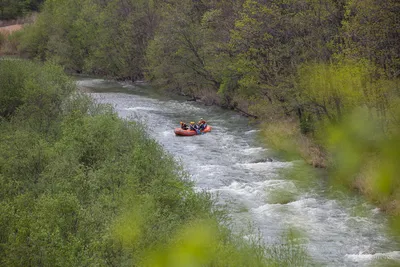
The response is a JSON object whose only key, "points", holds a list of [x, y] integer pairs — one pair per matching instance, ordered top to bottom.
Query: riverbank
{"points": [[287, 84], [286, 139], [358, 157], [354, 168], [81, 186], [337, 229]]}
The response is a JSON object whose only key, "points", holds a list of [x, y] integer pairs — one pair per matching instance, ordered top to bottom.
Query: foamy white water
{"points": [[233, 165]]}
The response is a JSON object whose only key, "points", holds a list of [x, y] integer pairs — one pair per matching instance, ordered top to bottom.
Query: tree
{"points": [[12, 9], [371, 30], [271, 39]]}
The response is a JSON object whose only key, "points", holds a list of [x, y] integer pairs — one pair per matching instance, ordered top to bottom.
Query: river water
{"points": [[231, 163]]}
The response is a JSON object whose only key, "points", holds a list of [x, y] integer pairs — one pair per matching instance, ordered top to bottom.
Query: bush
{"points": [[34, 91]]}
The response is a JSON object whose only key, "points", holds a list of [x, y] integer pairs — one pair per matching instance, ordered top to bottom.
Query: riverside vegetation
{"points": [[11, 10], [306, 68], [322, 75], [81, 187]]}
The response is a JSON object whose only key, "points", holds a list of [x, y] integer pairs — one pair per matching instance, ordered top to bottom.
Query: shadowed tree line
{"points": [[13, 9]]}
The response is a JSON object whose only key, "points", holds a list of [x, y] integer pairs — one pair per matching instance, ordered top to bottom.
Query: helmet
{"points": [[201, 119], [181, 122], [191, 122]]}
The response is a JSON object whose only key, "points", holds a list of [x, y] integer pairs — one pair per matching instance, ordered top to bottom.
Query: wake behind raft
{"points": [[180, 131]]}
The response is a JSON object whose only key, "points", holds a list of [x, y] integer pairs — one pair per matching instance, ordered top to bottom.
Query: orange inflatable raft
{"points": [[180, 131]]}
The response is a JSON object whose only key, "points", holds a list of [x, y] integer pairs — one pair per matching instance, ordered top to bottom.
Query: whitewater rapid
{"points": [[232, 164]]}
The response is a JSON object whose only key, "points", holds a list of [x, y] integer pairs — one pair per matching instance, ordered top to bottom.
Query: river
{"points": [[245, 176]]}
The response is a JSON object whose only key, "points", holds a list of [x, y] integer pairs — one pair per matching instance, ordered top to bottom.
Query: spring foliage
{"points": [[312, 64], [79, 187]]}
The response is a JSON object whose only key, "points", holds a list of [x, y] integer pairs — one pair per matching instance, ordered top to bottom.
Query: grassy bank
{"points": [[260, 58], [287, 140], [358, 154], [79, 187]]}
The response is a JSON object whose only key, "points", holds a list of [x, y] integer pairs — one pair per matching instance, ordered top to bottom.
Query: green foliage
{"points": [[12, 9], [371, 31], [33, 40], [269, 41], [242, 54], [183, 55], [334, 89], [39, 90], [282, 138], [359, 146], [365, 157], [73, 170], [92, 189]]}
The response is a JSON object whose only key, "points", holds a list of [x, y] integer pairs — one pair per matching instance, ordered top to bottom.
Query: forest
{"points": [[322, 77]]}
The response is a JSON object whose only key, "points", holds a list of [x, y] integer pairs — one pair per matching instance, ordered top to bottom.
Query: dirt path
{"points": [[10, 29]]}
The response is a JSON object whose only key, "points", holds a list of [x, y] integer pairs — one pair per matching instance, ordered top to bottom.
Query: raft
{"points": [[180, 131]]}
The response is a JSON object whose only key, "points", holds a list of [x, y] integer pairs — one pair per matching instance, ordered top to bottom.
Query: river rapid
{"points": [[244, 175]]}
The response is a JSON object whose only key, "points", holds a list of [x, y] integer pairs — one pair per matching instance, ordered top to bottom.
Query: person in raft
{"points": [[202, 124], [184, 125], [194, 127]]}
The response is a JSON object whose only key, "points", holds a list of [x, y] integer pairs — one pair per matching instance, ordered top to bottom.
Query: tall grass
{"points": [[287, 140]]}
